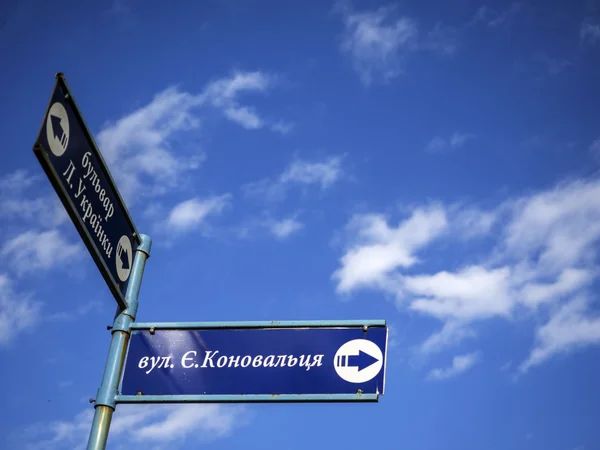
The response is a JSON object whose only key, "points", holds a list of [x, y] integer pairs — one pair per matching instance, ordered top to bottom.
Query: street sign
{"points": [[74, 165], [245, 359]]}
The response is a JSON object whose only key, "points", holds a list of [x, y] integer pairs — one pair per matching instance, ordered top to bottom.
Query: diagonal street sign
{"points": [[67, 152]]}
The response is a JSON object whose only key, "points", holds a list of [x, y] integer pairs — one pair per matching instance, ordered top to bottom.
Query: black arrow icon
{"points": [[56, 127], [124, 259]]}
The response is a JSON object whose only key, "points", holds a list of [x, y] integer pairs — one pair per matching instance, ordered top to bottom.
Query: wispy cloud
{"points": [[493, 18], [590, 32], [376, 41], [379, 41], [553, 66], [224, 93], [456, 140], [138, 150], [143, 150], [299, 173], [323, 173], [28, 200], [189, 214], [33, 221], [271, 226], [284, 228], [378, 249], [32, 250], [542, 254], [18, 312], [73, 313], [572, 327], [451, 334], [460, 364], [136, 427]]}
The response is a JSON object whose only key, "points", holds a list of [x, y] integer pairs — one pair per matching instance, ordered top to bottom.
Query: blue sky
{"points": [[434, 164]]}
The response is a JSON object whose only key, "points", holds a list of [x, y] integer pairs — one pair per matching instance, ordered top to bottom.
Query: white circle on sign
{"points": [[57, 129], [123, 257], [358, 361]]}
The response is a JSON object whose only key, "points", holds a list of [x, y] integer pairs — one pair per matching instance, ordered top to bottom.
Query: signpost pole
{"points": [[121, 330]]}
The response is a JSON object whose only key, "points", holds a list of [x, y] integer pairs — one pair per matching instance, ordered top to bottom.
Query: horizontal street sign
{"points": [[74, 165], [285, 360]]}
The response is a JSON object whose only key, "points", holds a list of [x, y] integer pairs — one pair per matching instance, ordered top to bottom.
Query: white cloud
{"points": [[590, 32], [380, 41], [377, 42], [223, 94], [244, 116], [457, 140], [436, 144], [138, 149], [141, 150], [300, 172], [324, 173], [17, 181], [29, 198], [191, 213], [470, 222], [266, 225], [556, 227], [284, 228], [380, 249], [32, 250], [543, 253], [569, 281], [461, 295], [18, 312], [570, 328], [451, 334], [460, 364], [137, 426]]}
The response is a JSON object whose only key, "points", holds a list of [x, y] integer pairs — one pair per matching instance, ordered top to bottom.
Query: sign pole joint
{"points": [[107, 393]]}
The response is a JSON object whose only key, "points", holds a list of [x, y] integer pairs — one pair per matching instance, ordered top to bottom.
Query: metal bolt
{"points": [[365, 328], [152, 330], [139, 392], [359, 392]]}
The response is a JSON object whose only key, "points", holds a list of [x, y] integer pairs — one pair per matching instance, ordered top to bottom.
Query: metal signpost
{"points": [[191, 362]]}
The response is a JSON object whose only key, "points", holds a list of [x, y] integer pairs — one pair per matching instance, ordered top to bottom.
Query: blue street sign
{"points": [[74, 165], [242, 361]]}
